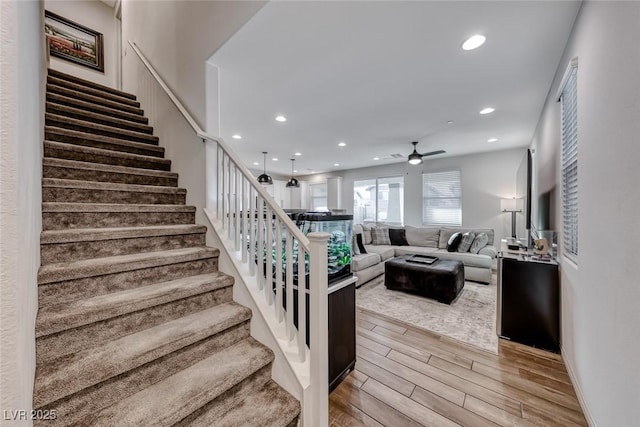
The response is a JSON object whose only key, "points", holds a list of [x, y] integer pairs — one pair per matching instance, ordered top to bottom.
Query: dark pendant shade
{"points": [[265, 179], [293, 183]]}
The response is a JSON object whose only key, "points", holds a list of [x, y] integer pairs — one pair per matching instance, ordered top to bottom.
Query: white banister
{"points": [[262, 242]]}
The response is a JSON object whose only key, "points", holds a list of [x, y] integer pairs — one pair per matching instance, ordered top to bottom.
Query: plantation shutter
{"points": [[569, 107], [442, 198]]}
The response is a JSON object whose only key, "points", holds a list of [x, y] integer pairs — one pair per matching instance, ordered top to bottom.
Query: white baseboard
{"points": [[578, 390]]}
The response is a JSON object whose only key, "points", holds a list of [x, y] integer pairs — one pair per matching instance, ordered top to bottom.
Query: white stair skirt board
{"points": [[471, 318]]}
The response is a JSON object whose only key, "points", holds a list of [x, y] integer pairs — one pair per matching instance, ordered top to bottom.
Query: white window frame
{"points": [[568, 98], [424, 198], [377, 209]]}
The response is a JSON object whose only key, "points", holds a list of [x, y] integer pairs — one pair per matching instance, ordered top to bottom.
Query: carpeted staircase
{"points": [[136, 325]]}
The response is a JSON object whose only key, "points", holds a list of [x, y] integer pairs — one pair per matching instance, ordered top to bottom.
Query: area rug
{"points": [[471, 318]]}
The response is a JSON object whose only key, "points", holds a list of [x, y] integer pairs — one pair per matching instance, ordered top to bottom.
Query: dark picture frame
{"points": [[74, 42]]}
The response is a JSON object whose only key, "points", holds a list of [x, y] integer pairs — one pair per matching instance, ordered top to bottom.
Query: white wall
{"points": [[99, 17], [178, 37], [21, 134], [486, 178], [600, 295]]}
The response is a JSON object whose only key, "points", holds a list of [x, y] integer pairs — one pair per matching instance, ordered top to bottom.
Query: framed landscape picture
{"points": [[73, 42]]}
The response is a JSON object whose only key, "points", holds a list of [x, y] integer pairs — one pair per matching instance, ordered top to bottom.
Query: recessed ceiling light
{"points": [[474, 42], [487, 110], [281, 119], [450, 122], [236, 136], [492, 140], [342, 144], [297, 154], [376, 158], [275, 159], [256, 164], [336, 164], [295, 171]]}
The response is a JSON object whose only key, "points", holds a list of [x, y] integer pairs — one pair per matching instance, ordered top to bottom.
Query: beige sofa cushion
{"points": [[422, 236], [413, 250], [385, 251], [469, 259], [362, 261]]}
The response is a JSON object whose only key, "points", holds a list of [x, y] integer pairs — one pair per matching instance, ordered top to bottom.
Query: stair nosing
{"points": [[78, 80], [58, 81], [53, 88], [60, 99], [63, 109], [106, 128], [101, 138], [103, 152], [105, 167], [110, 186], [113, 207], [73, 235], [93, 267], [61, 317], [134, 350], [212, 373]]}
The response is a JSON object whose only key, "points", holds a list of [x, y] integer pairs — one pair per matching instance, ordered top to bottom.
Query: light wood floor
{"points": [[406, 376]]}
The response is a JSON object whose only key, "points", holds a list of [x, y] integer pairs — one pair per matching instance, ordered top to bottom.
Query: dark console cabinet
{"points": [[529, 301], [342, 333]]}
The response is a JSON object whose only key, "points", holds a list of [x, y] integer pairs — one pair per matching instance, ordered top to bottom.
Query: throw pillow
{"points": [[366, 234], [380, 236], [422, 236], [398, 237], [467, 240], [454, 241], [479, 242], [354, 244], [360, 244]]}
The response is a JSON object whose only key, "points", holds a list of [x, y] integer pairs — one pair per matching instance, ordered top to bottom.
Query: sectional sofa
{"points": [[425, 241]]}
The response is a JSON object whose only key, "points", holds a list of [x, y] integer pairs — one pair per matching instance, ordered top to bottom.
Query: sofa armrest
{"points": [[489, 250]]}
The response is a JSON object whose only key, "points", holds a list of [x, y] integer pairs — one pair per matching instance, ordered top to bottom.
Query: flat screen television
{"points": [[523, 199]]}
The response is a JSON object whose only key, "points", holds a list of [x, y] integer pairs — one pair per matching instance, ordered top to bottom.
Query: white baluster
{"points": [[219, 154], [224, 190], [229, 195], [236, 214], [245, 214], [252, 231], [278, 241], [260, 249], [268, 288], [302, 306], [290, 329]]}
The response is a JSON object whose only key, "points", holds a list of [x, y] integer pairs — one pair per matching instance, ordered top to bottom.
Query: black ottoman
{"points": [[443, 280]]}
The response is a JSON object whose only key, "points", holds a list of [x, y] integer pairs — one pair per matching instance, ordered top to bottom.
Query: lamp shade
{"points": [[508, 205]]}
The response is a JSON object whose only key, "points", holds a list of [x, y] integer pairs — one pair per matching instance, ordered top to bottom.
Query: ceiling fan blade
{"points": [[432, 153]]}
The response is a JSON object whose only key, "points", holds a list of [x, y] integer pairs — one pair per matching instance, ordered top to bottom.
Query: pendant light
{"points": [[265, 179], [293, 183]]}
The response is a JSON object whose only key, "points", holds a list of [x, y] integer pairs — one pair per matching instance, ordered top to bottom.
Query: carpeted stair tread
{"points": [[69, 77], [60, 90], [92, 91], [95, 108], [81, 114], [62, 121], [100, 141], [100, 156], [108, 173], [95, 185], [112, 207], [97, 234], [64, 271], [55, 318], [72, 373], [172, 399], [268, 406]]}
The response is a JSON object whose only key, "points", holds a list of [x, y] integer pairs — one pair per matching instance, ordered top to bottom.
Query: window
{"points": [[569, 111], [319, 197], [442, 198], [379, 199]]}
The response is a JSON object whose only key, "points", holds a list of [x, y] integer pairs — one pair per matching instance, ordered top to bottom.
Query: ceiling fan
{"points": [[415, 158]]}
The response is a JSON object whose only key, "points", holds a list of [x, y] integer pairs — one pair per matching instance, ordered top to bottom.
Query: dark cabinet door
{"points": [[530, 303], [342, 333]]}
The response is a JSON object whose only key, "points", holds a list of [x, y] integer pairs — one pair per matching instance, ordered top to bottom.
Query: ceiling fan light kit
{"points": [[415, 158]]}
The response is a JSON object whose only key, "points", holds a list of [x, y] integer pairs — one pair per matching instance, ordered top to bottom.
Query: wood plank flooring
{"points": [[407, 376]]}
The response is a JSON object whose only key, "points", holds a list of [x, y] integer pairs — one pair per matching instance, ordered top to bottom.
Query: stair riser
{"points": [[77, 80], [92, 91], [93, 99], [94, 108], [97, 118], [110, 132], [105, 145], [106, 159], [104, 176], [81, 195], [63, 220], [75, 251], [71, 290], [93, 335], [80, 407], [208, 414]]}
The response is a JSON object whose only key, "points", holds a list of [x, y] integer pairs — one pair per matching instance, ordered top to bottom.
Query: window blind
{"points": [[569, 111], [442, 198]]}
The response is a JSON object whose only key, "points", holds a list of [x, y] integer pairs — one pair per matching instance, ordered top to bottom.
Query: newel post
{"points": [[318, 330]]}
